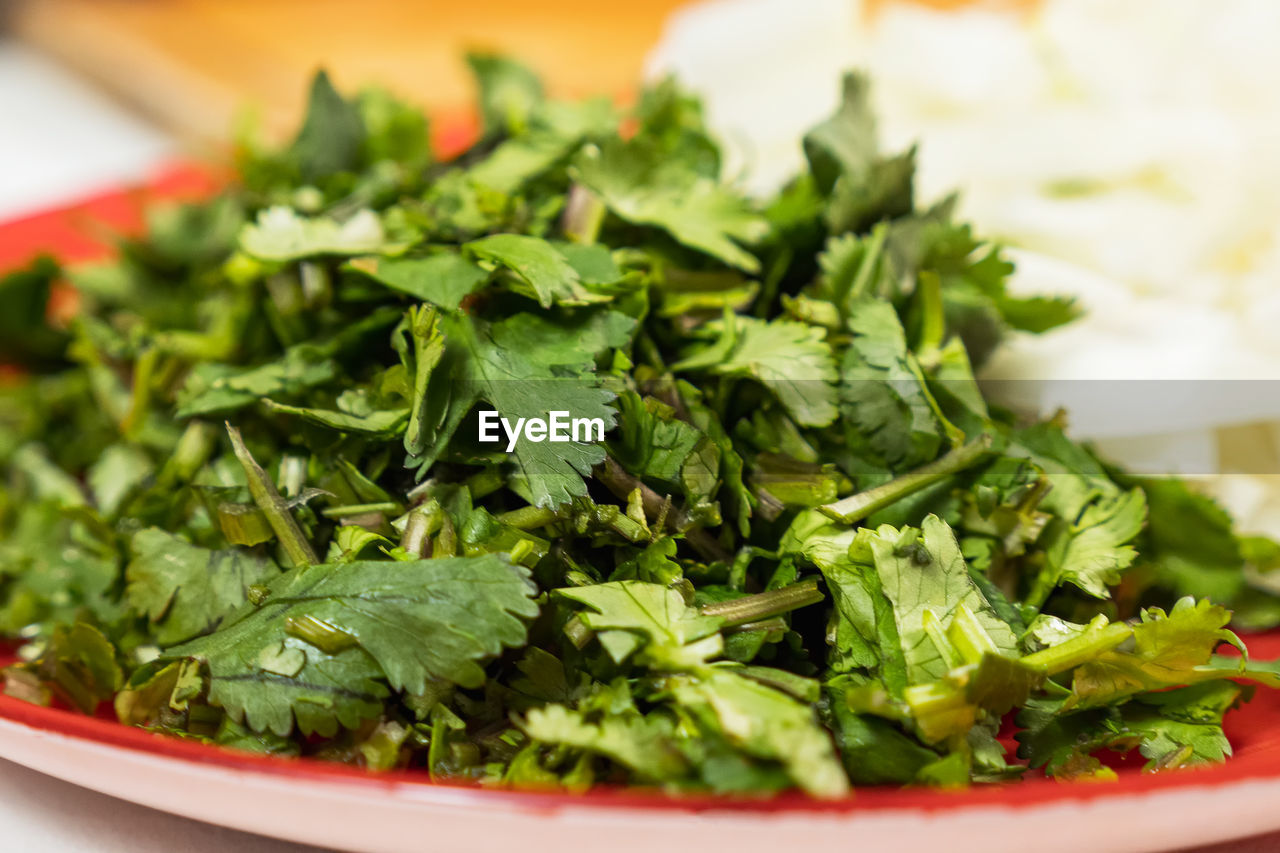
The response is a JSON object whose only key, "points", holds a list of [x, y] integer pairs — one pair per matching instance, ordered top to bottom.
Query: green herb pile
{"points": [[245, 501]]}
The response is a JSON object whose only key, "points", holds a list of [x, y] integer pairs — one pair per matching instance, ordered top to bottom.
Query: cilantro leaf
{"points": [[508, 94], [332, 135], [844, 158], [637, 183], [280, 234], [538, 264], [443, 279], [791, 359], [527, 366], [882, 390], [1092, 553], [925, 578], [186, 590], [409, 622], [673, 633], [1169, 650], [765, 723], [643, 744]]}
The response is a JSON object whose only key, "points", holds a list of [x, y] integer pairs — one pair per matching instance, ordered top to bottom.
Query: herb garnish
{"points": [[806, 553]]}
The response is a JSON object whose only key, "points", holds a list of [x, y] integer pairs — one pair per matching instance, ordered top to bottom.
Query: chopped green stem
{"points": [[583, 215], [870, 260], [933, 325], [649, 352], [140, 398], [193, 451], [484, 483], [622, 484], [273, 506], [857, 507], [358, 509], [528, 517], [423, 523], [244, 524], [765, 605], [777, 623], [578, 632], [322, 634], [937, 634], [967, 636], [1077, 650]]}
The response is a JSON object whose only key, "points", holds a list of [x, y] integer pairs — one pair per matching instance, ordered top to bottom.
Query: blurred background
{"points": [[1126, 150]]}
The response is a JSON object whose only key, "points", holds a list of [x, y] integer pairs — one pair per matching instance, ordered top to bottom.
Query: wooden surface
{"points": [[193, 65]]}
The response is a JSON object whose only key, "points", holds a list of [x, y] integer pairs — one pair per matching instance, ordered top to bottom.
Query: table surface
{"points": [[70, 141]]}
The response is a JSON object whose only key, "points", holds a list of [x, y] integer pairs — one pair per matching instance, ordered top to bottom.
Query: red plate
{"points": [[336, 806]]}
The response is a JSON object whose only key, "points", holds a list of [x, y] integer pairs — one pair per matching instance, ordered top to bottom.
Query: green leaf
{"points": [[509, 92], [395, 130], [333, 134], [639, 184], [863, 187], [280, 234], [539, 265], [443, 280], [1038, 314], [26, 338], [793, 360], [526, 366], [219, 388], [883, 395], [355, 413], [652, 442], [119, 473], [735, 494], [1189, 542], [1093, 555], [58, 567], [925, 578], [185, 590], [413, 622], [670, 627], [863, 634], [1169, 650], [79, 666], [765, 723], [1183, 727], [1173, 728], [642, 744], [874, 750]]}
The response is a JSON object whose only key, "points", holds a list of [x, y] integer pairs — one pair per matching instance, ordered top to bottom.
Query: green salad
{"points": [[564, 463]]}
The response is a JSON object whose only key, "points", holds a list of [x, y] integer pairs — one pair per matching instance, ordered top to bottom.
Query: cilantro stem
{"points": [[583, 215], [870, 260], [933, 325], [140, 398], [193, 450], [485, 482], [622, 484], [273, 506], [857, 507], [358, 509], [528, 517], [423, 523], [764, 605], [774, 624], [1077, 650]]}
